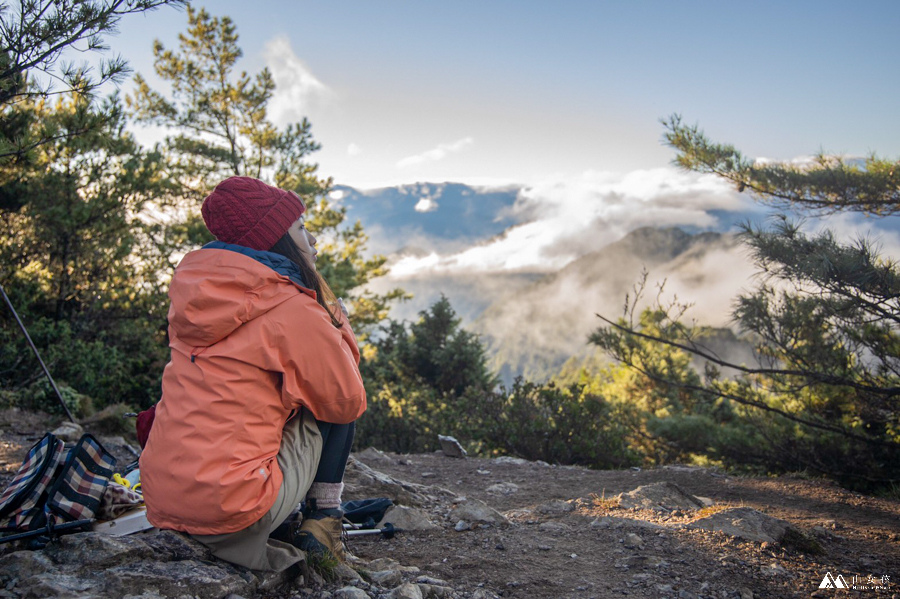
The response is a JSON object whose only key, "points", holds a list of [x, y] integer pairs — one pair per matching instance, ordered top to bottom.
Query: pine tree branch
{"points": [[815, 377], [756, 404]]}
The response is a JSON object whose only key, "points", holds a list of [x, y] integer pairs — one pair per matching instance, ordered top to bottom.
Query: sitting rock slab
{"points": [[664, 496], [746, 523], [88, 565]]}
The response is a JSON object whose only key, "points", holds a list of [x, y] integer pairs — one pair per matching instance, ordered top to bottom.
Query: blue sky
{"points": [[529, 92]]}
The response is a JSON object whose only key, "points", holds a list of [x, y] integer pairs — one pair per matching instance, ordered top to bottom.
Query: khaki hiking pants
{"points": [[298, 457]]}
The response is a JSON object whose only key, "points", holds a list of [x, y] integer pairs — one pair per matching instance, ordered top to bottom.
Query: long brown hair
{"points": [[324, 295]]}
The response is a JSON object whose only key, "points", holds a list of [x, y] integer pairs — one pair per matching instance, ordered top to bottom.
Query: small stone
{"points": [[68, 432], [451, 447], [370, 454], [510, 460], [428, 475], [503, 489], [557, 506], [478, 511], [407, 518], [461, 526], [553, 527], [825, 533], [632, 541], [641, 561], [867, 562], [384, 563], [772, 569], [345, 572], [387, 578], [431, 581], [408, 590], [436, 592], [350, 593], [745, 593]]}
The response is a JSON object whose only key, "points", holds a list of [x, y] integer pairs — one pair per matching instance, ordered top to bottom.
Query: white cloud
{"points": [[296, 88], [354, 150], [435, 154], [426, 204], [567, 218]]}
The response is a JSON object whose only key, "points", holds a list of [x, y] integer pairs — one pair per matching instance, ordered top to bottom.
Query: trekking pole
{"points": [[34, 349], [46, 531], [387, 532]]}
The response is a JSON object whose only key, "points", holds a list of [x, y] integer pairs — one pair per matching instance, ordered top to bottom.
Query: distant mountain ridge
{"points": [[439, 214], [531, 322]]}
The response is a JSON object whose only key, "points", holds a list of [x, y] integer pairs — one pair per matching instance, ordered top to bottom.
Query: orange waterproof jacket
{"points": [[249, 345]]}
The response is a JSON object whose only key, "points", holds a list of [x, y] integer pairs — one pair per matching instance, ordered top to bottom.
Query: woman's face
{"points": [[304, 240]]}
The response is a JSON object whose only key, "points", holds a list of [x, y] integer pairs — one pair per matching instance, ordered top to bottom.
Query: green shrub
{"points": [[41, 397], [563, 425]]}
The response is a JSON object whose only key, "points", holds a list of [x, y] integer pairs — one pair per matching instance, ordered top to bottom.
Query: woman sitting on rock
{"points": [[260, 397]]}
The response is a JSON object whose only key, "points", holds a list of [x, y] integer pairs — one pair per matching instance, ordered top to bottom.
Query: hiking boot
{"points": [[287, 530], [321, 533]]}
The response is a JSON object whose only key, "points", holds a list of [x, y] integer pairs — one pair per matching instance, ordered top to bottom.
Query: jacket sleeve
{"points": [[318, 362]]}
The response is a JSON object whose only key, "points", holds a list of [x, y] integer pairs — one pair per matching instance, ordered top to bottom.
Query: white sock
{"points": [[326, 495]]}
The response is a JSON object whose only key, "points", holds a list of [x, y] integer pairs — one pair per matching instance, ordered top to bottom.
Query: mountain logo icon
{"points": [[830, 582]]}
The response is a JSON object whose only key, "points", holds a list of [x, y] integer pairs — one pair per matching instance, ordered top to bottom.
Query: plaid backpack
{"points": [[56, 484]]}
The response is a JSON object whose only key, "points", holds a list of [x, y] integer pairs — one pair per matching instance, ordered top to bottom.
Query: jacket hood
{"points": [[220, 287]]}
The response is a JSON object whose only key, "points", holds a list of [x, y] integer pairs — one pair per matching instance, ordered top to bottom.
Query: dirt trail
{"points": [[568, 537], [547, 555]]}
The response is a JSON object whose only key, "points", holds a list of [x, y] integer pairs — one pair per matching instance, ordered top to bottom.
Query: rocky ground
{"points": [[485, 528]]}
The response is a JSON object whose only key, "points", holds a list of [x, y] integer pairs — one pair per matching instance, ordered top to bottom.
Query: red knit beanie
{"points": [[245, 211]]}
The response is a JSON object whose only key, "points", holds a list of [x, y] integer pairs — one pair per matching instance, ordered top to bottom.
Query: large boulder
{"points": [[662, 496], [746, 523]]}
